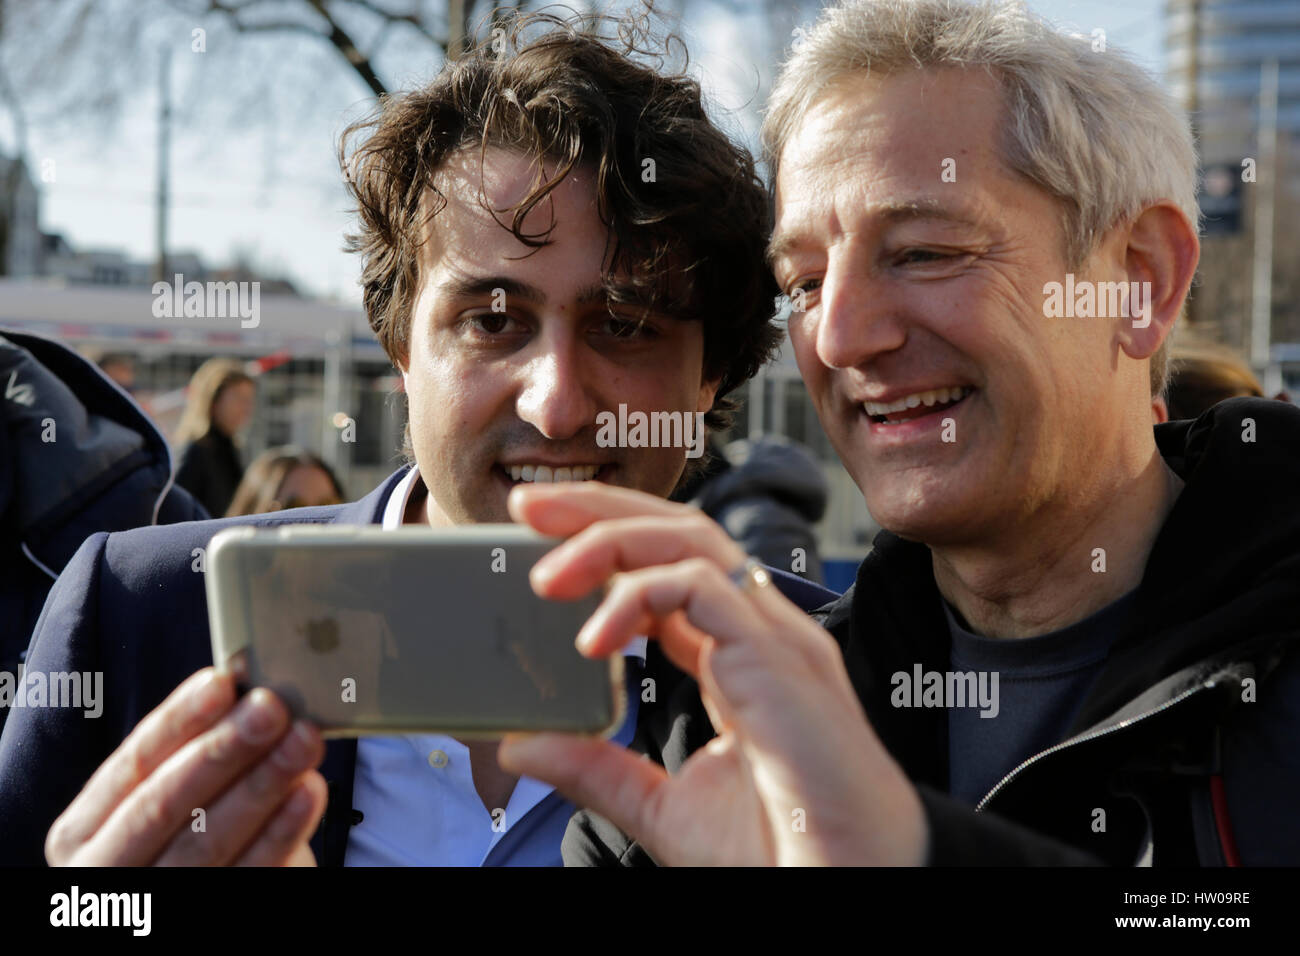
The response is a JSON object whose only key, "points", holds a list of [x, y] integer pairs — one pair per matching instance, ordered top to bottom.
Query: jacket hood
{"points": [[71, 445], [768, 468]]}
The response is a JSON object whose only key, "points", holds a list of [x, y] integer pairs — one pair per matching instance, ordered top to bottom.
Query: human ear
{"points": [[1160, 257], [708, 393]]}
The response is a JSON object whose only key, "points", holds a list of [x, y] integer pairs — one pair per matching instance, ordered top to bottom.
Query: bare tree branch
{"points": [[232, 11], [409, 19], [336, 35], [348, 50]]}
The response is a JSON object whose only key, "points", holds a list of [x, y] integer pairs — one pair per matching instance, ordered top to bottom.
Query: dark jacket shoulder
{"points": [[77, 456], [132, 606]]}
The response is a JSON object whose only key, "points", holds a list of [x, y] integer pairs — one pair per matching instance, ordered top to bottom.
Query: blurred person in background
{"points": [[120, 367], [1202, 375], [219, 402], [77, 456], [285, 477], [768, 494]]}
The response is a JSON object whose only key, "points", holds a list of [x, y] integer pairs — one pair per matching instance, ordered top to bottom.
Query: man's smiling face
{"points": [[929, 293], [517, 389]]}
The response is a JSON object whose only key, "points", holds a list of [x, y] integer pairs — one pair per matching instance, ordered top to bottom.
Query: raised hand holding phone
{"points": [[795, 776]]}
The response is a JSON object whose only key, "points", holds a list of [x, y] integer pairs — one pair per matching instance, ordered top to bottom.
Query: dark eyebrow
{"points": [[890, 213], [471, 287], [477, 287]]}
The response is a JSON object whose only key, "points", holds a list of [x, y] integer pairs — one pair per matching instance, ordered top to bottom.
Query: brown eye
{"points": [[492, 323], [621, 328]]}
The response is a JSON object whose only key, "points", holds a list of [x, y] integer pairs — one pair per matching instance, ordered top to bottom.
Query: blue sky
{"points": [[275, 190]]}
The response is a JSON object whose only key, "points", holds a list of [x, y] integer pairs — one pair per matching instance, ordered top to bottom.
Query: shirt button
{"points": [[437, 759]]}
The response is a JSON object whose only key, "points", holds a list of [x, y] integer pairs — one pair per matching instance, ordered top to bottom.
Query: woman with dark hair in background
{"points": [[218, 403], [285, 477]]}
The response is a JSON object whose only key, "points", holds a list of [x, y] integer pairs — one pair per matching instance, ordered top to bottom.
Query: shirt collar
{"points": [[396, 507], [395, 510]]}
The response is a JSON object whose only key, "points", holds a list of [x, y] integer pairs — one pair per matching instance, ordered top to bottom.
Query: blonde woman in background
{"points": [[218, 403], [285, 477]]}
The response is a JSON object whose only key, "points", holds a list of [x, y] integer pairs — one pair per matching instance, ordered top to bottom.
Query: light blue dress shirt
{"points": [[417, 798]]}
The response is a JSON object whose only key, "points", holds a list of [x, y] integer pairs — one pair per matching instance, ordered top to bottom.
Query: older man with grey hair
{"points": [[1078, 639]]}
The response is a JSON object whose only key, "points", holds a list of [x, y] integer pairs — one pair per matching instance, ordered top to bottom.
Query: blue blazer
{"points": [[132, 605]]}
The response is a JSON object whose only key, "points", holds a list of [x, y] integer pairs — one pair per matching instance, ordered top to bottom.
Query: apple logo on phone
{"points": [[322, 634]]}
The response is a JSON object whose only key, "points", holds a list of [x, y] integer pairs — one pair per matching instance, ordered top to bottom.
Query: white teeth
{"points": [[934, 397], [547, 473]]}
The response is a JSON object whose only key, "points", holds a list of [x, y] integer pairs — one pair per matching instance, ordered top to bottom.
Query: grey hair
{"points": [[1092, 129]]}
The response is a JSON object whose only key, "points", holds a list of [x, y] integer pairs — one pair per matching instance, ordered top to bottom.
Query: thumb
{"points": [[602, 776], [301, 856]]}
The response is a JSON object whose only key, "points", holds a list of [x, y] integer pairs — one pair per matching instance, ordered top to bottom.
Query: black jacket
{"points": [[77, 456], [210, 470], [1187, 772]]}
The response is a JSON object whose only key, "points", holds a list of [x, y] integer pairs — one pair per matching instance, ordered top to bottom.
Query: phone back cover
{"points": [[368, 631]]}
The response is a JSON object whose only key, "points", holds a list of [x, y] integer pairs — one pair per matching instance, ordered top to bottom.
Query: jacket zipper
{"points": [[1091, 736]]}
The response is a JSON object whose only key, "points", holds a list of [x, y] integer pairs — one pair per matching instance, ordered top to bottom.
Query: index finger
{"points": [[569, 507], [590, 557], [188, 711]]}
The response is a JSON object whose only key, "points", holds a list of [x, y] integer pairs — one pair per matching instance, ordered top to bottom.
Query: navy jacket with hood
{"points": [[77, 455]]}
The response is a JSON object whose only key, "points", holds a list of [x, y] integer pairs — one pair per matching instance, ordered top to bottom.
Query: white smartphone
{"points": [[414, 630]]}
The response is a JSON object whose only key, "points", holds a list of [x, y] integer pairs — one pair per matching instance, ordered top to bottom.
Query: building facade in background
{"points": [[1216, 53]]}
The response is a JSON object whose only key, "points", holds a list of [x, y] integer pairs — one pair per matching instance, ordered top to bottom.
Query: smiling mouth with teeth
{"points": [[915, 406], [547, 473]]}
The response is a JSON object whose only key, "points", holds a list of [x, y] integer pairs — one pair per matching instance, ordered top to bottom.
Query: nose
{"points": [[859, 316], [556, 395]]}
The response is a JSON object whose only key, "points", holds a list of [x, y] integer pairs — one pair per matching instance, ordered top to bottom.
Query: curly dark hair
{"points": [[690, 241]]}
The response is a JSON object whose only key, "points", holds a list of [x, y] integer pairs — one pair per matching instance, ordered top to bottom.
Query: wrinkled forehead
{"points": [[909, 120]]}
